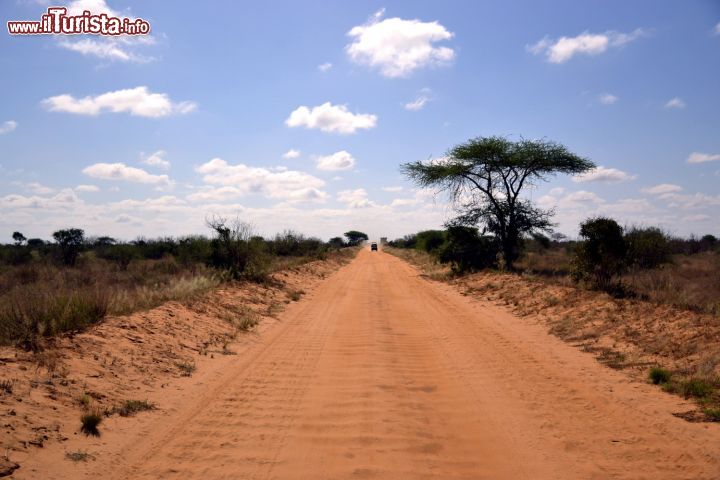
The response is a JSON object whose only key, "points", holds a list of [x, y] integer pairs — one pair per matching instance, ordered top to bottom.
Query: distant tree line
{"points": [[233, 247], [604, 251]]}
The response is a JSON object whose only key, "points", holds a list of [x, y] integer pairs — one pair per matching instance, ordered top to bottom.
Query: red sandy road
{"points": [[383, 374]]}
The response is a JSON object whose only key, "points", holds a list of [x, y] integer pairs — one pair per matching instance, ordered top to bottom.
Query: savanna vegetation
{"points": [[499, 229], [74, 280]]}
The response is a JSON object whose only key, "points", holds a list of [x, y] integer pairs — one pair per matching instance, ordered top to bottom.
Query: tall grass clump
{"points": [[30, 315]]}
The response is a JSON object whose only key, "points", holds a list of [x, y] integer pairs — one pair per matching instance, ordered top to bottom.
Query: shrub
{"points": [[429, 240], [70, 241], [408, 241], [337, 242], [290, 243], [647, 247], [194, 249], [235, 250], [466, 250], [121, 254], [16, 255], [600, 257], [186, 368], [659, 375], [697, 387], [131, 407], [713, 414], [90, 422]]}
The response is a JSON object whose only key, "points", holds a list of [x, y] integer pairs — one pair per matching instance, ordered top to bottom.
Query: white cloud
{"points": [[77, 7], [717, 29], [398, 47], [107, 48], [116, 48], [564, 48], [324, 67], [608, 98], [137, 101], [676, 102], [418, 103], [330, 118], [8, 127], [290, 154], [699, 157], [157, 160], [341, 160], [120, 171], [602, 174], [290, 185], [36, 188], [87, 188], [392, 189], [662, 189], [215, 194], [422, 196], [582, 197], [355, 198], [61, 201], [691, 201], [403, 202], [125, 218], [697, 218]]}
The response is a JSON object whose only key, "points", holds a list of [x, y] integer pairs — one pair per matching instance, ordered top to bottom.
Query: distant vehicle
{"points": [[373, 247]]}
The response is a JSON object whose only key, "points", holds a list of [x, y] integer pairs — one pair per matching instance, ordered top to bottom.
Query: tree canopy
{"points": [[486, 176], [355, 238]]}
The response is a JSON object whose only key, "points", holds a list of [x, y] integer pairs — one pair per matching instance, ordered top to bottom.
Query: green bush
{"points": [[429, 240], [408, 241], [70, 242], [290, 243], [647, 247], [194, 249], [235, 250], [466, 250], [121, 254], [15, 255], [601, 256], [659, 376], [697, 387]]}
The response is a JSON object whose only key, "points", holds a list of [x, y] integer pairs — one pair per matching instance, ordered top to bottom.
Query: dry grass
{"points": [[424, 261], [689, 282], [43, 300], [672, 324], [186, 368], [131, 407], [79, 456]]}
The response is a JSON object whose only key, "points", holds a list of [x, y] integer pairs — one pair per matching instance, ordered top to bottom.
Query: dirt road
{"points": [[380, 373]]}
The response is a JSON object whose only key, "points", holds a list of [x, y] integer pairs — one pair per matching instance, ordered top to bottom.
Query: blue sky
{"points": [[151, 135]]}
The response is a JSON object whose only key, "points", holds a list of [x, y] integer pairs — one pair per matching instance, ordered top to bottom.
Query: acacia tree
{"points": [[486, 176], [355, 237], [19, 238], [70, 241]]}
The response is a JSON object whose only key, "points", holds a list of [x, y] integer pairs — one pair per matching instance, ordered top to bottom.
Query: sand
{"points": [[378, 372]]}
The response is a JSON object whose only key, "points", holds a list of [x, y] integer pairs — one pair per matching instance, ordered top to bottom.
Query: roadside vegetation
{"points": [[499, 230], [73, 281], [655, 309]]}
